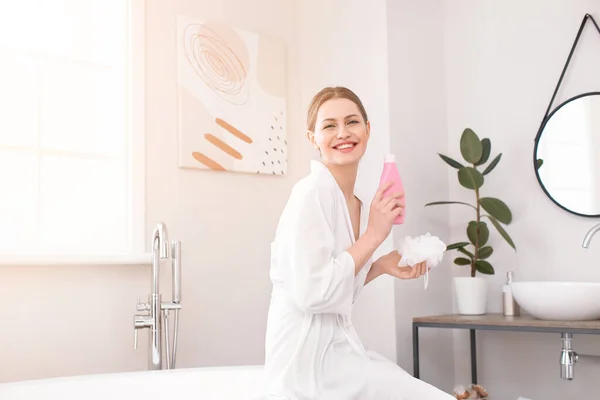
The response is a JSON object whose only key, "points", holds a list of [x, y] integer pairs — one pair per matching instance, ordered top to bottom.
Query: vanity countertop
{"points": [[500, 322]]}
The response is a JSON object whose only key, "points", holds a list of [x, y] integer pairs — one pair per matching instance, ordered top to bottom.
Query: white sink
{"points": [[559, 301]]}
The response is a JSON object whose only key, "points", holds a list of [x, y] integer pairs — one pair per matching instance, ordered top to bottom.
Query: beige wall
{"points": [[338, 48], [503, 62], [488, 65], [418, 126], [225, 221], [78, 320], [61, 321]]}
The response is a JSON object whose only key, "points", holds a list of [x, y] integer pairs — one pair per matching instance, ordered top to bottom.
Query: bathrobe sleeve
{"points": [[359, 280], [320, 281]]}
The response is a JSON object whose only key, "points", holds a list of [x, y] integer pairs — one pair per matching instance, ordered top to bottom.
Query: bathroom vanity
{"points": [[499, 322]]}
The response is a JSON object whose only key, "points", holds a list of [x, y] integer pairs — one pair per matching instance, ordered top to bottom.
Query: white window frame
{"points": [[136, 151]]}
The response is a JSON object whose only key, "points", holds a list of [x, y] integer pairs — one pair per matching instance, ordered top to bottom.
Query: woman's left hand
{"points": [[388, 264]]}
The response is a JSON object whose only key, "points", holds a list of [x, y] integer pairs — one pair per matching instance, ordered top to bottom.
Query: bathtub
{"points": [[213, 383]]}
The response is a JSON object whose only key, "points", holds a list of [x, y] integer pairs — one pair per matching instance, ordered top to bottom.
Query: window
{"points": [[71, 148]]}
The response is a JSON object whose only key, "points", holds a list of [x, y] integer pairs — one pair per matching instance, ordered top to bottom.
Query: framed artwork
{"points": [[231, 88]]}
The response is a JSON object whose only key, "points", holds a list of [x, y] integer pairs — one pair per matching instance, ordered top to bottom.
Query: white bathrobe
{"points": [[312, 349]]}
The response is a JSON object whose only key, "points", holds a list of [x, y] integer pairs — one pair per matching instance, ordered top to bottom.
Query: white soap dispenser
{"points": [[510, 308]]}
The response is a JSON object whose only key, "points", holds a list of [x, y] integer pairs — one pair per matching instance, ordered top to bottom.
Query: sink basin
{"points": [[559, 301]]}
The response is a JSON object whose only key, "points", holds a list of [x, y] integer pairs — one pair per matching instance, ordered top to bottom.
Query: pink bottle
{"points": [[390, 173]]}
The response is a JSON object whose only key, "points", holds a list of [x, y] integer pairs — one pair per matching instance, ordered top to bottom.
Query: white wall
{"points": [[339, 47], [503, 59], [488, 65], [418, 126], [225, 221], [78, 320]]}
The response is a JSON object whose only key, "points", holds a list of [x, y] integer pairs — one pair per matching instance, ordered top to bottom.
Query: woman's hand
{"points": [[383, 212], [388, 264]]}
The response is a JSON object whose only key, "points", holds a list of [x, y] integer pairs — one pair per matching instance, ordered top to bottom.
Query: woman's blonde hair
{"points": [[328, 93]]}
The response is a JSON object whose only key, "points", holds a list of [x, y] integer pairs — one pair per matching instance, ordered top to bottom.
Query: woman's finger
{"points": [[379, 193], [386, 201], [393, 204], [397, 211], [417, 270], [403, 272], [412, 274]]}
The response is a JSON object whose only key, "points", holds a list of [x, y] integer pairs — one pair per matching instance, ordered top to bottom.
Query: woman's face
{"points": [[340, 134]]}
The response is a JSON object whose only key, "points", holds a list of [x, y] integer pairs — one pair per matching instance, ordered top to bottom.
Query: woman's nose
{"points": [[343, 132]]}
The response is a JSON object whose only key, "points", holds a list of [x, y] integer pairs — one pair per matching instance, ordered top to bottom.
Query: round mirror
{"points": [[567, 155]]}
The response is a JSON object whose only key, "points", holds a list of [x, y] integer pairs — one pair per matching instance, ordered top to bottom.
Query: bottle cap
{"points": [[390, 158]]}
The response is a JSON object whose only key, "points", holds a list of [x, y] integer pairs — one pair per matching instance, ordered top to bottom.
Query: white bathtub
{"points": [[214, 383]]}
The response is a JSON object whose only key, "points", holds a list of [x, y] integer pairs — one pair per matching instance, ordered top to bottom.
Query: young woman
{"points": [[320, 260]]}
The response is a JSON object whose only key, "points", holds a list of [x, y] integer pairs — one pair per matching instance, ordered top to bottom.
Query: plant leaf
{"points": [[486, 145], [470, 146], [451, 162], [538, 163], [492, 165], [470, 178], [437, 203], [497, 209], [478, 229], [501, 231], [456, 245], [466, 252], [485, 252], [462, 261], [484, 267]]}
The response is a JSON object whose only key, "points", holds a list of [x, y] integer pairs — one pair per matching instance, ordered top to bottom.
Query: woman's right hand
{"points": [[383, 212]]}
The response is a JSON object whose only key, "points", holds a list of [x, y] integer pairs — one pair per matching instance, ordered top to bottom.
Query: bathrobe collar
{"points": [[319, 167]]}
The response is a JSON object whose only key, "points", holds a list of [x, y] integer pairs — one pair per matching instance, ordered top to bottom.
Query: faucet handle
{"points": [[142, 306]]}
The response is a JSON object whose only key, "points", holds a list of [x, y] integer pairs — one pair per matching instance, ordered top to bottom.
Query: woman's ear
{"points": [[368, 128], [311, 138]]}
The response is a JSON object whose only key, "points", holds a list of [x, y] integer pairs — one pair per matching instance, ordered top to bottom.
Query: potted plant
{"points": [[471, 291]]}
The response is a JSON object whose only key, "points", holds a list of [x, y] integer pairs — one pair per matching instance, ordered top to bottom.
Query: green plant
{"points": [[477, 152], [538, 163]]}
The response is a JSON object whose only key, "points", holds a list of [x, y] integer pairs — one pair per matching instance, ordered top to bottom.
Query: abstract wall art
{"points": [[231, 88]]}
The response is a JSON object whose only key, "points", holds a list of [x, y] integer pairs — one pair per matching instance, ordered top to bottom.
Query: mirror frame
{"points": [[535, 148]]}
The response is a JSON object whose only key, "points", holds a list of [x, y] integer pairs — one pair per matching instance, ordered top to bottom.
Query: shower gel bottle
{"points": [[390, 174]]}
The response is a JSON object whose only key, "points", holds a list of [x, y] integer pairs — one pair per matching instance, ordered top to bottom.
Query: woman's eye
{"points": [[353, 122], [328, 126]]}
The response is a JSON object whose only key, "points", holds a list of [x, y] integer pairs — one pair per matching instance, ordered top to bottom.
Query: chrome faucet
{"points": [[589, 235], [158, 312], [568, 356]]}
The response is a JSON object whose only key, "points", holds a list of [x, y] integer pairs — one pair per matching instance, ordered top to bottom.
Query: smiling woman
{"points": [[331, 109], [321, 259]]}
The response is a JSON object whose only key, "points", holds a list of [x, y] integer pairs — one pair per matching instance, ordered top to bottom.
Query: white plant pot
{"points": [[471, 295]]}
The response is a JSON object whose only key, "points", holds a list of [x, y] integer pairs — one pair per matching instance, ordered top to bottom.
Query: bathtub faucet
{"points": [[156, 317]]}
